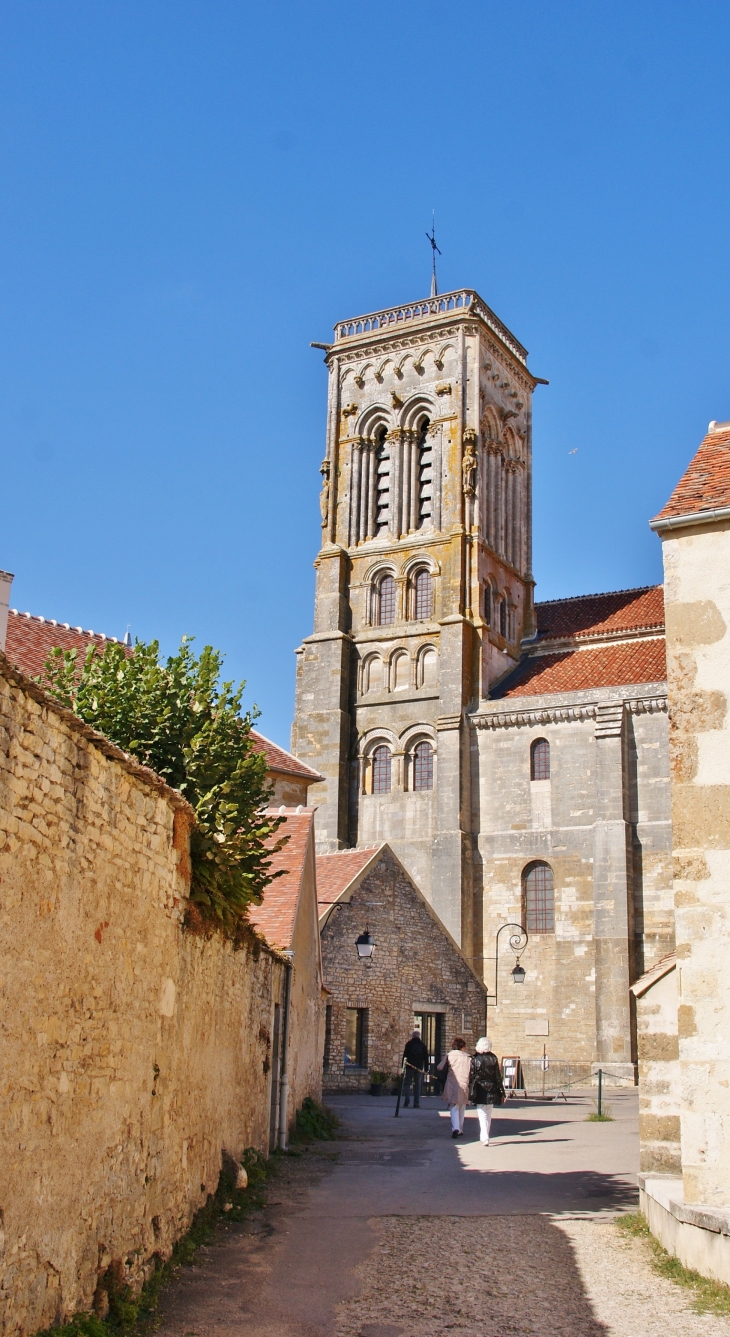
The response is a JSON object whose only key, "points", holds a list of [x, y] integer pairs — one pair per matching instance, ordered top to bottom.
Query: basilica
{"points": [[512, 754]]}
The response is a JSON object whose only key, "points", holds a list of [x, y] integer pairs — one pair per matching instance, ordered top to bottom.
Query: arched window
{"points": [[382, 468], [425, 474], [422, 596], [386, 601], [488, 605], [428, 668], [372, 674], [400, 677], [540, 759], [423, 766], [381, 770], [538, 898]]}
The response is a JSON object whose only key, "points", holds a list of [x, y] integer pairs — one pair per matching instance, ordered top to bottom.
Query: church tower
{"points": [[424, 583]]}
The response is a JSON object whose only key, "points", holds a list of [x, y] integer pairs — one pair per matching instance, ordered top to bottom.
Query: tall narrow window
{"points": [[382, 472], [425, 475], [422, 596], [386, 601], [488, 605], [503, 618], [540, 759], [423, 766], [381, 770], [538, 897], [355, 1037], [327, 1058]]}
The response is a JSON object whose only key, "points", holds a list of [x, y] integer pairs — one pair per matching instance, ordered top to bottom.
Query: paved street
{"points": [[399, 1230]]}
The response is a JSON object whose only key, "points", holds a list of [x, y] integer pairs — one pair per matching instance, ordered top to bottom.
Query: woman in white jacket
{"points": [[456, 1090]]}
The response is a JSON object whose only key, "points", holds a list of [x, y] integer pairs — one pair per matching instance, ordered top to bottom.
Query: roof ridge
{"points": [[599, 594], [65, 626]]}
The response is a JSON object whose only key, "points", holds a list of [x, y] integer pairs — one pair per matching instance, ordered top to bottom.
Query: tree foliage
{"points": [[182, 722]]}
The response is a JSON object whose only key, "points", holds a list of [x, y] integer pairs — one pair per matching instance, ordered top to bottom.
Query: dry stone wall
{"points": [[132, 1053]]}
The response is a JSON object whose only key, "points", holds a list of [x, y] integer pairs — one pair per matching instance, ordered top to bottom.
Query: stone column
{"points": [[612, 925]]}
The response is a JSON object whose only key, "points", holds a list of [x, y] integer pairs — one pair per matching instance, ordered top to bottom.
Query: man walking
{"points": [[416, 1058]]}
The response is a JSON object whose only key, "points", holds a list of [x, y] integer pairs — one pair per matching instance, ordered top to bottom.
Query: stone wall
{"points": [[697, 597], [602, 823], [415, 966], [131, 1051], [659, 1087]]}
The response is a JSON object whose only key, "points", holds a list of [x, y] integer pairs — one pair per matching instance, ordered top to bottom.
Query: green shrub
{"points": [[315, 1122]]}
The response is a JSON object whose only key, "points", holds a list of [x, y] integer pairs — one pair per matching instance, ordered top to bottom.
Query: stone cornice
{"points": [[559, 645], [566, 714]]}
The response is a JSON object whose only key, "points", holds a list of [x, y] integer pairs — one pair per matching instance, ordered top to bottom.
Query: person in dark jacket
{"points": [[416, 1057], [486, 1088]]}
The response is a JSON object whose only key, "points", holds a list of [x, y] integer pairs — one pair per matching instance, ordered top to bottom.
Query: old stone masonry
{"points": [[513, 754]]}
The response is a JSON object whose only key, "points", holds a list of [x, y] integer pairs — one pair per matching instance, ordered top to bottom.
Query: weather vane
{"points": [[434, 248]]}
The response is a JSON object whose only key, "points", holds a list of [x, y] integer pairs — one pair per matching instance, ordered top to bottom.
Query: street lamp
{"points": [[518, 940], [365, 945]]}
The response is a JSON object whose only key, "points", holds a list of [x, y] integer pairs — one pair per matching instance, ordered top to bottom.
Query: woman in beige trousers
{"points": [[456, 1090]]}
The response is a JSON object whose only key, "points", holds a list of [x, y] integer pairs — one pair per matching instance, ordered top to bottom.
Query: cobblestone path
{"points": [[396, 1231]]}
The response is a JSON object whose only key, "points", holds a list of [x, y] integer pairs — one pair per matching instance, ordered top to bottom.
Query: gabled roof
{"points": [[705, 484], [589, 615], [30, 640], [618, 665], [281, 762], [342, 871], [276, 916], [656, 973]]}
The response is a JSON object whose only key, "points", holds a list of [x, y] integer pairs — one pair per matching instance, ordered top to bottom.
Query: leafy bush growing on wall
{"points": [[181, 721]]}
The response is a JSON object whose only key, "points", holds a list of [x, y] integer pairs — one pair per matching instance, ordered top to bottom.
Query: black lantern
{"points": [[365, 945], [518, 973]]}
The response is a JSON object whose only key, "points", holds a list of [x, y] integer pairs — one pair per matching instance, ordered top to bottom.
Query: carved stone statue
{"points": [[469, 462], [324, 496]]}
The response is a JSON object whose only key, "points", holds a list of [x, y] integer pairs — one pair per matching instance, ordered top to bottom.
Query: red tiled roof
{"points": [[705, 484], [596, 614], [31, 639], [576, 670], [280, 761], [337, 871], [276, 916]]}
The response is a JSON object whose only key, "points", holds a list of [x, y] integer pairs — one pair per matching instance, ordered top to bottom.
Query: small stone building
{"points": [[417, 977]]}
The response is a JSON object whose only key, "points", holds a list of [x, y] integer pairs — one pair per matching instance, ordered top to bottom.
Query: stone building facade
{"points": [[426, 632], [417, 976]]}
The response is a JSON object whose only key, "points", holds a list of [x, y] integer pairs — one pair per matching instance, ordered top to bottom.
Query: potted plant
{"points": [[377, 1081]]}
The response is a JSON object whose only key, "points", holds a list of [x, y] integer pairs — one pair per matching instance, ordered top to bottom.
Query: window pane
{"points": [[422, 600], [386, 601], [423, 766], [540, 766], [381, 770], [539, 899]]}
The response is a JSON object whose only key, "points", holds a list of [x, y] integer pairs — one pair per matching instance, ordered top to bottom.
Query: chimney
{"points": [[6, 581]]}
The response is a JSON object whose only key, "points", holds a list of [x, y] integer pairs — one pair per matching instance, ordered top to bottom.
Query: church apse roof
{"points": [[601, 614], [613, 665]]}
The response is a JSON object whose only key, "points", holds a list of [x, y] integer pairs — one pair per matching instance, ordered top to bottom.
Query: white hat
{"points": [[484, 1045]]}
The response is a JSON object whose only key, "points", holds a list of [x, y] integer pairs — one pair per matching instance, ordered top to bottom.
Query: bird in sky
{"points": [[573, 452]]}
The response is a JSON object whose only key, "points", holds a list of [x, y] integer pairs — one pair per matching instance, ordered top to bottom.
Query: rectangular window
{"points": [[327, 1036], [355, 1037]]}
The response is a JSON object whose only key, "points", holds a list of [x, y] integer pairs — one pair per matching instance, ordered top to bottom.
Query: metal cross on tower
{"points": [[434, 248]]}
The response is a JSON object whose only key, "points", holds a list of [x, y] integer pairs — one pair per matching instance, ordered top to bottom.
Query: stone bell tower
{"points": [[424, 584]]}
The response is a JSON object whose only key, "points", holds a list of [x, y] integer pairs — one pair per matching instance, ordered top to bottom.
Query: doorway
{"points": [[430, 1027]]}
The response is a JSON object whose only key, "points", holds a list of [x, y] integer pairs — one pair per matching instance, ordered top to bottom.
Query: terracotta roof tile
{"points": [[705, 484], [596, 614], [31, 639], [606, 666], [280, 761], [337, 871], [276, 916]]}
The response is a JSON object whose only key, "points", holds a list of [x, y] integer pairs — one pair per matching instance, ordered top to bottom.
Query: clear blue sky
{"points": [[191, 192]]}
